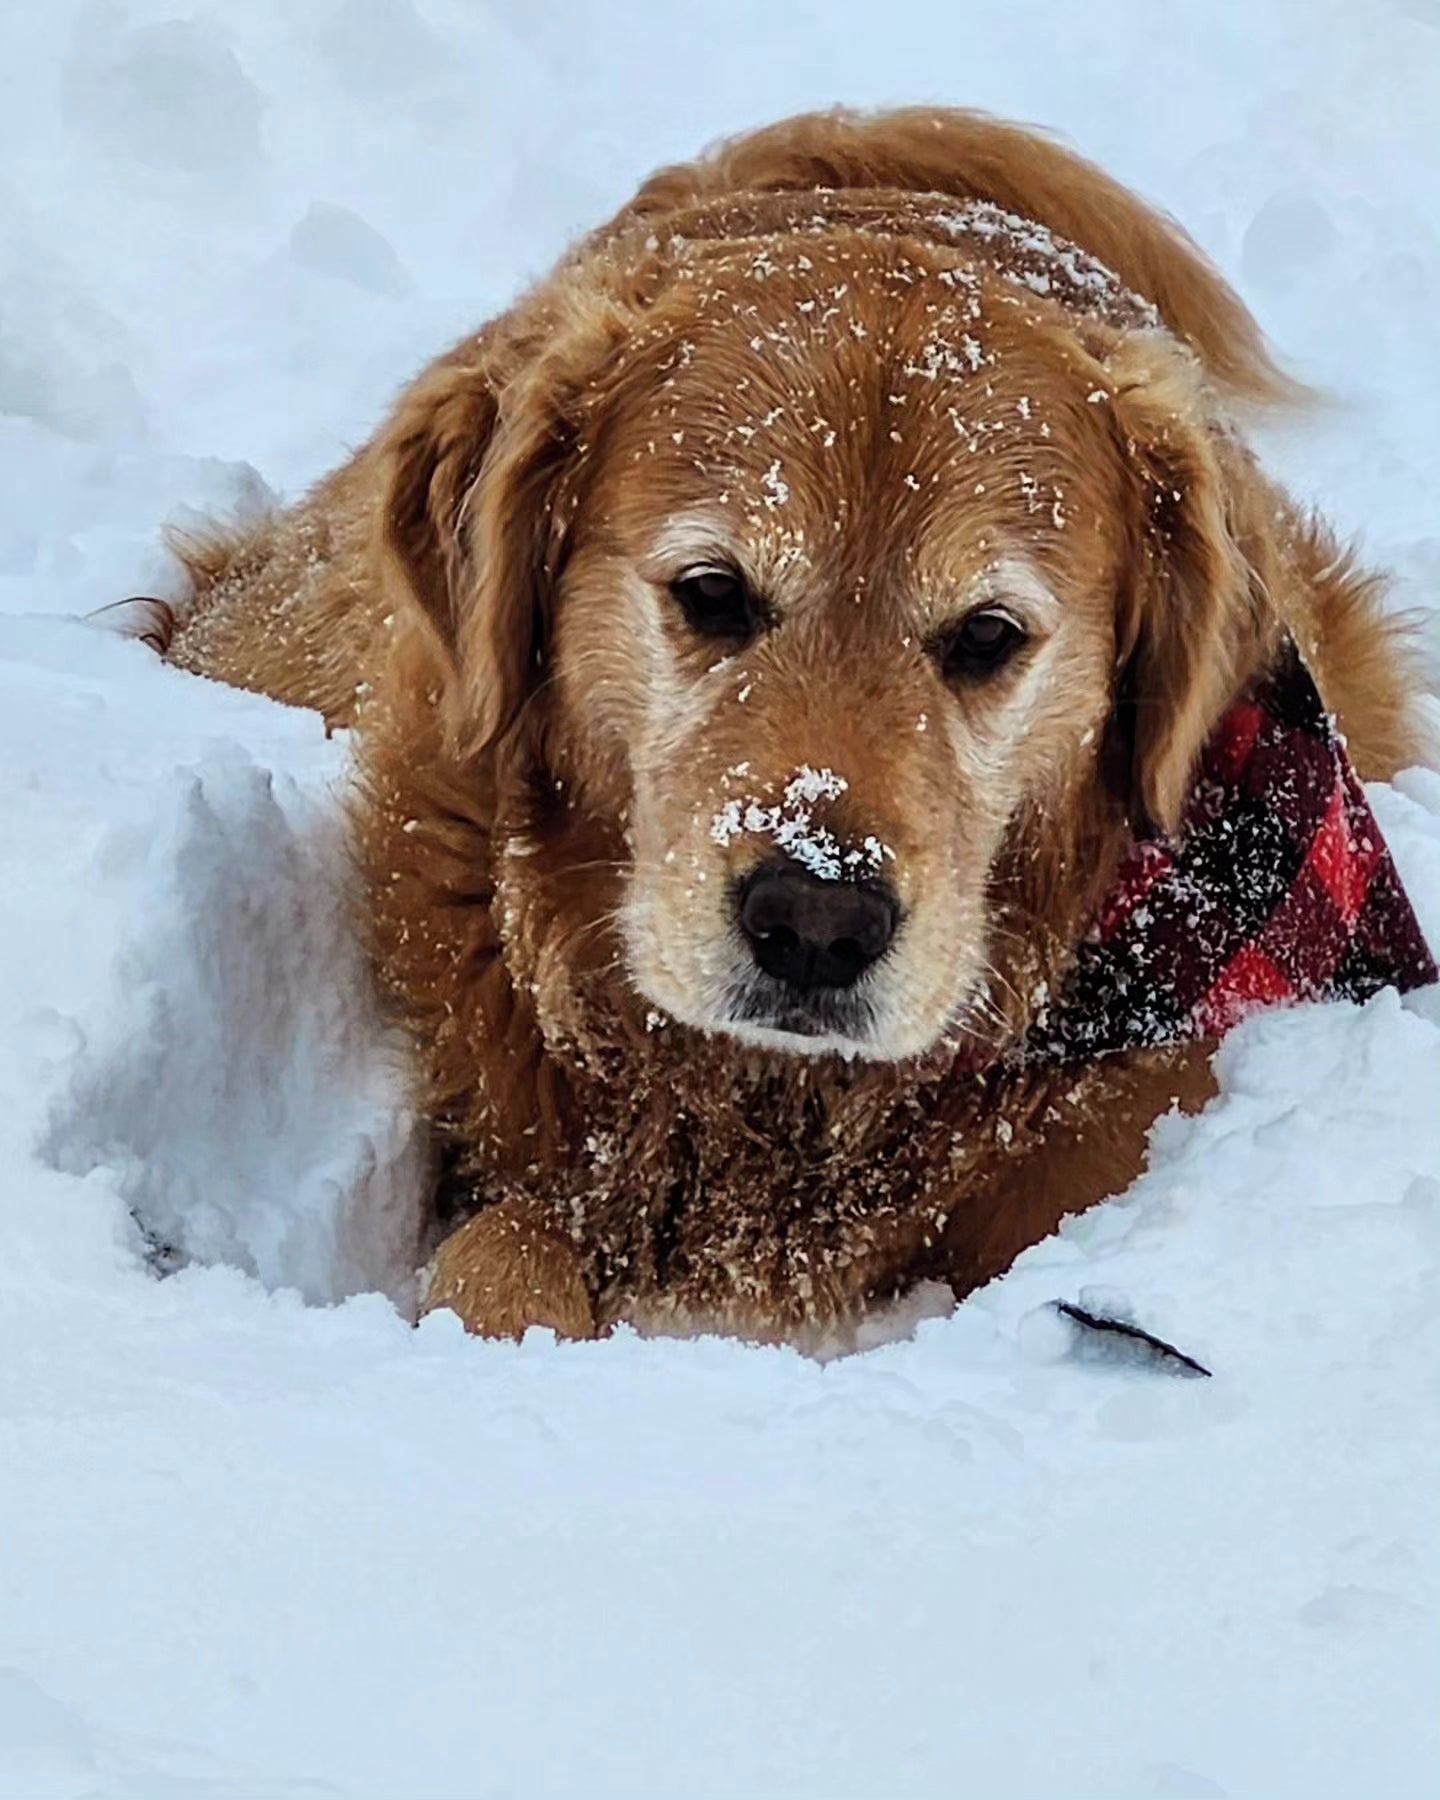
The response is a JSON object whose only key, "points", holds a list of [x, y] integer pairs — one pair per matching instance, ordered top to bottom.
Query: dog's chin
{"points": [[762, 1011], [769, 1015], [792, 1034]]}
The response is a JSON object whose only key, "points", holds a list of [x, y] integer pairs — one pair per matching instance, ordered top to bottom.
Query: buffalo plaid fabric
{"points": [[1279, 887]]}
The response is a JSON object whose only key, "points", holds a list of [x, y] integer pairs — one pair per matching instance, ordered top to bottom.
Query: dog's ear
{"points": [[474, 457], [1192, 606]]}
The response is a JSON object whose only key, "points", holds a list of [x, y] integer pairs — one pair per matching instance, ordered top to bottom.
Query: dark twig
{"points": [[1120, 1328]]}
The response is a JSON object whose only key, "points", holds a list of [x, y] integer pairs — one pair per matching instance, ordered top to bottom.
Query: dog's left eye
{"points": [[716, 603], [980, 645]]}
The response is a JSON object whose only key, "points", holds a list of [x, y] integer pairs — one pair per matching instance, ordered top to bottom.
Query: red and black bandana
{"points": [[1278, 887]]}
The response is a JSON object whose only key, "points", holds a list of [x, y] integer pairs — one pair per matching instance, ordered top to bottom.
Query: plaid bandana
{"points": [[1279, 887]]}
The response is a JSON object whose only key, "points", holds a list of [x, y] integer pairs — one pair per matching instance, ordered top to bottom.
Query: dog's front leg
{"points": [[508, 1268]]}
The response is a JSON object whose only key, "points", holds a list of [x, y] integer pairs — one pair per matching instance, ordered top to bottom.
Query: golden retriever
{"points": [[764, 641]]}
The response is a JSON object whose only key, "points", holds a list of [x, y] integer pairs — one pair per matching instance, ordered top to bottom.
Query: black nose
{"points": [[813, 933]]}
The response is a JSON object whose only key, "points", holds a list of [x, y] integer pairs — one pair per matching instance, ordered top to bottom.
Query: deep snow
{"points": [[255, 1546]]}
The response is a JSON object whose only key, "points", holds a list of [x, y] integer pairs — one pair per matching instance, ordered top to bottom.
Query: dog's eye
{"points": [[716, 602], [980, 645]]}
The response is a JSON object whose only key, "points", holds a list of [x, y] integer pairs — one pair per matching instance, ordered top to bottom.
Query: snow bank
{"points": [[191, 1026], [259, 1546]]}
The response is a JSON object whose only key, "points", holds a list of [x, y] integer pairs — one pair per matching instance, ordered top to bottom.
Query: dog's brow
{"points": [[693, 536], [1014, 579]]}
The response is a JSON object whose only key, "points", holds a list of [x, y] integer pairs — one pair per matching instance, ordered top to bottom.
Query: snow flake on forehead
{"points": [[1034, 257], [940, 357], [940, 360], [776, 490], [1042, 497], [791, 825]]}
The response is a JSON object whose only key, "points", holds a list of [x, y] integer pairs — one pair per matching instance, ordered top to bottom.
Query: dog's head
{"points": [[853, 589]]}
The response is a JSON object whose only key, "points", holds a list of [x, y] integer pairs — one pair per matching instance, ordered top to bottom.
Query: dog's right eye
{"points": [[717, 603]]}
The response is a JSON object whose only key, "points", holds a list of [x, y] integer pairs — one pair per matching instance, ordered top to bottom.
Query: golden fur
{"points": [[802, 357]]}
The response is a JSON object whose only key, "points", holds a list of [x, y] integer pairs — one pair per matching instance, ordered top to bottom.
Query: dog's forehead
{"points": [[883, 398]]}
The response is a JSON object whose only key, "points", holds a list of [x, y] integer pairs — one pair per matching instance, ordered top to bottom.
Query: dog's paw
{"points": [[507, 1269]]}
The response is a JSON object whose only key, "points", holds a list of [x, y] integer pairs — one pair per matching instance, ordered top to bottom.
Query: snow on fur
{"points": [[791, 826]]}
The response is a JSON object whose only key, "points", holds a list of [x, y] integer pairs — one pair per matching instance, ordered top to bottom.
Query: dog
{"points": [[766, 643]]}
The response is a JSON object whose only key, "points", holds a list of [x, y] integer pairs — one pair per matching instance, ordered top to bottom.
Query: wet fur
{"points": [[610, 1162]]}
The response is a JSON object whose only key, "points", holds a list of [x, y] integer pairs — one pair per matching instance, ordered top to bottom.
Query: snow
{"points": [[1042, 257], [790, 823], [264, 1538]]}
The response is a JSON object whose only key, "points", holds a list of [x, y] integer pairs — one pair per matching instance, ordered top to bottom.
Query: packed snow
{"points": [[259, 1535]]}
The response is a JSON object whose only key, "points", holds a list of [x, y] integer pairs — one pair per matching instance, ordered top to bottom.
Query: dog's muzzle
{"points": [[810, 943]]}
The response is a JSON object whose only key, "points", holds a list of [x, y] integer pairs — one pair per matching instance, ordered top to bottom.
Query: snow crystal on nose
{"points": [[810, 785], [790, 824]]}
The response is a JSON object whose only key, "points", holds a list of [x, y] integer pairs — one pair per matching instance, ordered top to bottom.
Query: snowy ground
{"points": [[251, 1545]]}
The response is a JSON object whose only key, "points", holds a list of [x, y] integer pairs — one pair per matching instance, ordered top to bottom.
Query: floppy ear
{"points": [[473, 456], [1191, 616]]}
